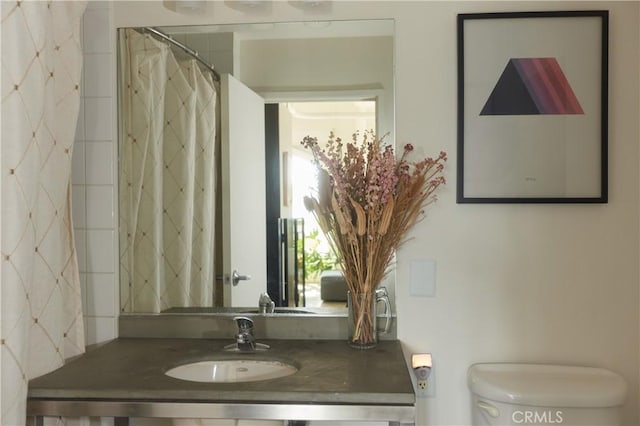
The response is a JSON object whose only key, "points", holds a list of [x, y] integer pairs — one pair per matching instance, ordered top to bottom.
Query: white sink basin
{"points": [[232, 371]]}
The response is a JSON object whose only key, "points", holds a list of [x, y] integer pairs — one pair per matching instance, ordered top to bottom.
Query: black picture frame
{"points": [[533, 107]]}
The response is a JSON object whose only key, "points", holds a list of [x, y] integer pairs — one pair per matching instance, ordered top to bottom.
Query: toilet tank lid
{"points": [[547, 385]]}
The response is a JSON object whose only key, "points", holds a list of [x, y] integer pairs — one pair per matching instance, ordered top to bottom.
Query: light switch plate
{"points": [[422, 278]]}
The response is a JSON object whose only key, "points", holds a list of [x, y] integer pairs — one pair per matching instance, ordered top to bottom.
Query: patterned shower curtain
{"points": [[167, 171], [41, 311]]}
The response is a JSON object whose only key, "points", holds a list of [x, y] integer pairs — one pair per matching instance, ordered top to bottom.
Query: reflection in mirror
{"points": [[211, 171], [322, 284]]}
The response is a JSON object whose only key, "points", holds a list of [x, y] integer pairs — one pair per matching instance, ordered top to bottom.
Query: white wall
{"points": [[93, 177], [520, 283], [543, 283]]}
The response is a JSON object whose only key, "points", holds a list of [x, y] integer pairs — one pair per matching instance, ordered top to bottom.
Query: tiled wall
{"points": [[93, 177]]}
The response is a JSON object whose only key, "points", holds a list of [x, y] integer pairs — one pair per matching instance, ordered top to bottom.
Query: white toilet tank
{"points": [[535, 394]]}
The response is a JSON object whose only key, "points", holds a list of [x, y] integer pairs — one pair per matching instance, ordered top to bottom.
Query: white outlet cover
{"points": [[428, 391]]}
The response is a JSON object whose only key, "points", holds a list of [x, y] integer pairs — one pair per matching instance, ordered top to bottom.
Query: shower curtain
{"points": [[167, 172], [41, 311]]}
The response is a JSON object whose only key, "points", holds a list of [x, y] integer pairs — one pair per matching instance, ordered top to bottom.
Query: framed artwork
{"points": [[532, 107]]}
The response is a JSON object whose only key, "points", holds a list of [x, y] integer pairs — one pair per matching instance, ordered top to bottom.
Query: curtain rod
{"points": [[188, 50]]}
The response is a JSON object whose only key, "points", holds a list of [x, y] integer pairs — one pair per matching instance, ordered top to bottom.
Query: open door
{"points": [[243, 193]]}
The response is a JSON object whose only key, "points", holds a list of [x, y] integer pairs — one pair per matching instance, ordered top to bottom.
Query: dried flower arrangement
{"points": [[366, 203]]}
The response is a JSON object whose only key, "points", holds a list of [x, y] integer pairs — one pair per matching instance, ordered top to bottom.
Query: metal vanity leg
{"points": [[121, 421]]}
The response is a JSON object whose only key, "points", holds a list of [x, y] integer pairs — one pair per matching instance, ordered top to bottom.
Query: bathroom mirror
{"points": [[309, 78]]}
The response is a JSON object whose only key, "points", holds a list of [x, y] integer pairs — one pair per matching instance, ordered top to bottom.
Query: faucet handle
{"points": [[244, 323], [245, 340]]}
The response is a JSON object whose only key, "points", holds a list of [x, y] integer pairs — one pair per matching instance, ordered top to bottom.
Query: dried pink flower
{"points": [[365, 176]]}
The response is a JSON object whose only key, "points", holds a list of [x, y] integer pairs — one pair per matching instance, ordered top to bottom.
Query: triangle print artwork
{"points": [[532, 86]]}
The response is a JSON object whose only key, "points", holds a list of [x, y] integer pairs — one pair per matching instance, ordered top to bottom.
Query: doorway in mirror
{"points": [[306, 272]]}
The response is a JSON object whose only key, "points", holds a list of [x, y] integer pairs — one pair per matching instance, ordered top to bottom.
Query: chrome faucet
{"points": [[265, 304], [245, 339]]}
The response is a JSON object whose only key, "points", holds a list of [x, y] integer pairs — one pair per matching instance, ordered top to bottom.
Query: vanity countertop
{"points": [[330, 372]]}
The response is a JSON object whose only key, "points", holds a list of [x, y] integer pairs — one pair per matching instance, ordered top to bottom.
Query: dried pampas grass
{"points": [[367, 202]]}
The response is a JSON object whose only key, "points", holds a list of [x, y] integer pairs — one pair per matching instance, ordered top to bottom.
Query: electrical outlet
{"points": [[422, 365], [421, 388], [425, 388]]}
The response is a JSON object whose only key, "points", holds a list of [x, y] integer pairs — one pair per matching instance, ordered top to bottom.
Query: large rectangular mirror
{"points": [[211, 170]]}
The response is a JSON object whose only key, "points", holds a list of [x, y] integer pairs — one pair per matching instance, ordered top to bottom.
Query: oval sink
{"points": [[225, 371]]}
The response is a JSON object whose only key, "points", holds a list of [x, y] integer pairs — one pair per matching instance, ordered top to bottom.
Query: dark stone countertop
{"points": [[330, 372]]}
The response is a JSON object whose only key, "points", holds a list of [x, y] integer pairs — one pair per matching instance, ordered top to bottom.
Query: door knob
{"points": [[236, 277]]}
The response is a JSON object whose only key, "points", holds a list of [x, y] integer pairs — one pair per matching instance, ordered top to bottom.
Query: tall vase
{"points": [[362, 318]]}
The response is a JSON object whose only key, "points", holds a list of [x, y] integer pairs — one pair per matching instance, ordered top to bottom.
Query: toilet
{"points": [[536, 394]]}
